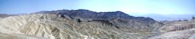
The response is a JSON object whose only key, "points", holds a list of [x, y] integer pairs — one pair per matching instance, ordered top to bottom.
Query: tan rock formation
{"points": [[51, 26]]}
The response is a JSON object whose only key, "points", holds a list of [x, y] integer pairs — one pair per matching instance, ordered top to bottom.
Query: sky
{"points": [[132, 7]]}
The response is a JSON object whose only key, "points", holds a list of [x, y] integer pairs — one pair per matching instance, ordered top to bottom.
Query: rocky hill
{"points": [[117, 18], [86, 24], [177, 30]]}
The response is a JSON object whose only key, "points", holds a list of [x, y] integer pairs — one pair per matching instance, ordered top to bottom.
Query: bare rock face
{"points": [[76, 24]]}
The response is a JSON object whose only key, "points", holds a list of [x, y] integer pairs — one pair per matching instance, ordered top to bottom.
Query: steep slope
{"points": [[77, 24], [53, 27]]}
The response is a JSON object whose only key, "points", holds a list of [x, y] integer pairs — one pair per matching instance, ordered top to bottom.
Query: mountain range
{"points": [[86, 24]]}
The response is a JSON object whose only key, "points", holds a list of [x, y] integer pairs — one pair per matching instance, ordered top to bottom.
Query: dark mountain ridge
{"points": [[117, 18]]}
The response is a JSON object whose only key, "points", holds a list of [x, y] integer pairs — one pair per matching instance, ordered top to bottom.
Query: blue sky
{"points": [[132, 7]]}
